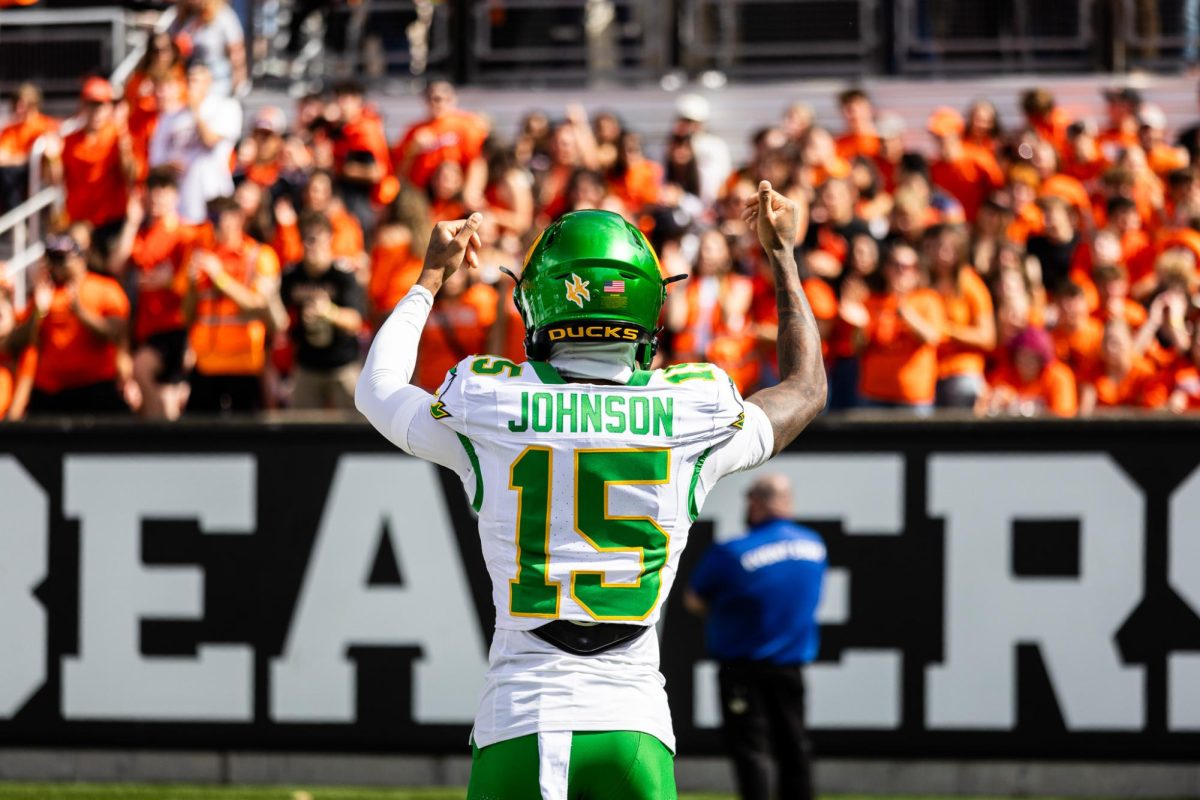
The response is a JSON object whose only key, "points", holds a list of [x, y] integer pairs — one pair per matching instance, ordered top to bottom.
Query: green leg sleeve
{"points": [[505, 770]]}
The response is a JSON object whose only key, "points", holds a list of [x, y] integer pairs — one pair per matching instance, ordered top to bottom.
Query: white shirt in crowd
{"points": [[205, 171]]}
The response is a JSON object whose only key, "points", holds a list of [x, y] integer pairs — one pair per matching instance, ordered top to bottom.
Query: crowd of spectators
{"points": [[1042, 265]]}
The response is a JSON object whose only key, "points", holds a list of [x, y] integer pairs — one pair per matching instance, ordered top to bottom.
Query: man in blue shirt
{"points": [[759, 595]]}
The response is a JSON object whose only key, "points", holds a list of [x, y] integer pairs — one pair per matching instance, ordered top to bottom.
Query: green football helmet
{"points": [[591, 277]]}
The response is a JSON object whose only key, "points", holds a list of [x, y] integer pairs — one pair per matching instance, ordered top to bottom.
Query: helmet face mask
{"points": [[591, 277]]}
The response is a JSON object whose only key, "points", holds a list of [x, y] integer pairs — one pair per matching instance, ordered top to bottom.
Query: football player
{"points": [[587, 470]]}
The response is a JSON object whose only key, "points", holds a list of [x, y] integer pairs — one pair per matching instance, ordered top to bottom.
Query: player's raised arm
{"points": [[383, 390], [800, 394]]}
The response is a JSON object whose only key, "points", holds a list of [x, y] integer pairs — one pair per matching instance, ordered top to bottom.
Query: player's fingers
{"points": [[766, 201], [466, 230], [476, 242]]}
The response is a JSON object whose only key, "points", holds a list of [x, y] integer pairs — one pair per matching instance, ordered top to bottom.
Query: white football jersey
{"points": [[585, 492]]}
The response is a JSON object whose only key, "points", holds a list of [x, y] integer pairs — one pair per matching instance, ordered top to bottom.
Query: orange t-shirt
{"points": [[143, 116], [1053, 128], [365, 134], [456, 136], [18, 138], [851, 145], [970, 178], [639, 186], [97, 191], [346, 240], [161, 249], [394, 270], [972, 303], [467, 318], [224, 340], [1079, 349], [69, 355], [896, 366], [1140, 388], [1055, 389]]}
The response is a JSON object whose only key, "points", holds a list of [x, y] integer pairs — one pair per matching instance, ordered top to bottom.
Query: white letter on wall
{"points": [[24, 548], [1183, 556], [1073, 621], [110, 679], [314, 679], [863, 689]]}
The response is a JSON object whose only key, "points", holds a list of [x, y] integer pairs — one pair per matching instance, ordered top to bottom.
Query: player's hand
{"points": [[775, 217], [451, 245]]}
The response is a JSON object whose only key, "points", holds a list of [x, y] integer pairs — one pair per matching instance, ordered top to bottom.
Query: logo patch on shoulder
{"points": [[577, 290], [437, 410], [739, 422]]}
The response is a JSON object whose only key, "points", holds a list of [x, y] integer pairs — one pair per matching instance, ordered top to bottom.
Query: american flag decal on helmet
{"points": [[614, 287]]}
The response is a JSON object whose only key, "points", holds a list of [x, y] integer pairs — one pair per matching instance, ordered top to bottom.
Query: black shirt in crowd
{"points": [[322, 346]]}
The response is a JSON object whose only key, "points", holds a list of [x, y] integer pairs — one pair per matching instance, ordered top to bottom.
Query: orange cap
{"points": [[96, 90], [946, 121]]}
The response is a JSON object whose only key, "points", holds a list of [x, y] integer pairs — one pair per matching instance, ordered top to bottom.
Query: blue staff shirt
{"points": [[762, 592]]}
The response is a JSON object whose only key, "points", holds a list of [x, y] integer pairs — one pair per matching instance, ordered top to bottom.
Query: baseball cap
{"points": [[96, 90], [1124, 94], [692, 107], [1152, 116], [270, 118], [945, 121], [889, 125], [60, 244]]}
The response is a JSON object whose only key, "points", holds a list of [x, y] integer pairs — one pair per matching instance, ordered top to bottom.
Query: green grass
{"points": [[141, 791]]}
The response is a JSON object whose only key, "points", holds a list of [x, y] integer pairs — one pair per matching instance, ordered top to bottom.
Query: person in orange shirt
{"points": [[161, 62], [1124, 103], [1044, 118], [983, 125], [25, 126], [447, 134], [859, 138], [360, 153], [1082, 157], [1163, 158], [265, 164], [96, 166], [967, 172], [634, 179], [445, 192], [318, 197], [151, 249], [398, 253], [1112, 288], [714, 303], [231, 305], [76, 324], [458, 326], [970, 331], [1076, 333], [899, 334], [1121, 378], [1031, 381]]}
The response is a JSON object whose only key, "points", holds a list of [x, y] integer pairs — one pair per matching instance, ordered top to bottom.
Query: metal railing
{"points": [[1158, 33], [948, 36], [784, 37], [553, 41], [54, 47]]}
